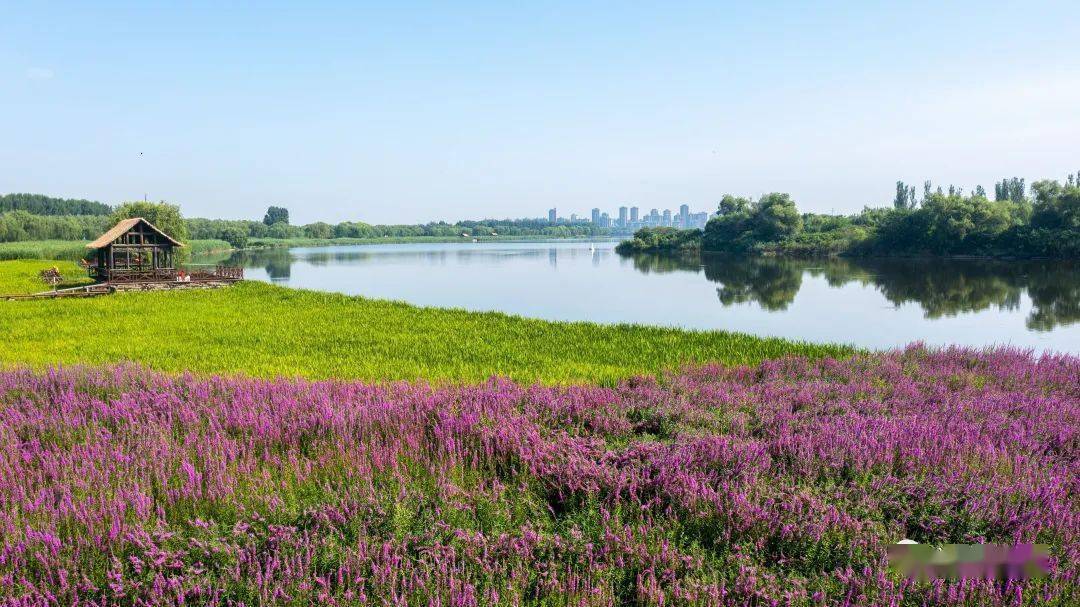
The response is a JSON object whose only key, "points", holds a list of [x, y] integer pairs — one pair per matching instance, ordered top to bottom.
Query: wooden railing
{"points": [[193, 274]]}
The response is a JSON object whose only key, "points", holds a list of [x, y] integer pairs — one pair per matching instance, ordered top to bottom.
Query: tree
{"points": [[1010, 189], [905, 197], [733, 204], [1056, 206], [276, 215], [166, 217], [775, 217], [959, 224], [319, 229], [281, 230], [729, 230], [236, 237]]}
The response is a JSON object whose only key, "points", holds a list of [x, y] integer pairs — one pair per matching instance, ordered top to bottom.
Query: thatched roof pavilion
{"points": [[134, 249]]}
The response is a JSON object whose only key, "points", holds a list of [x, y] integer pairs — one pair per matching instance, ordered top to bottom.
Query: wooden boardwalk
{"points": [[157, 281], [82, 291]]}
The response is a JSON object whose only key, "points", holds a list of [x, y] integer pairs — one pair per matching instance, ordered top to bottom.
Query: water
{"points": [[870, 303]]}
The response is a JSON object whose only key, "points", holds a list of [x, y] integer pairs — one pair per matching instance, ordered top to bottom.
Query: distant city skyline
{"points": [[629, 217]]}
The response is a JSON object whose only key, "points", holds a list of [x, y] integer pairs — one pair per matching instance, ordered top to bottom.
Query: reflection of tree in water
{"points": [[277, 262], [647, 263], [770, 282], [941, 287], [947, 288], [1055, 292]]}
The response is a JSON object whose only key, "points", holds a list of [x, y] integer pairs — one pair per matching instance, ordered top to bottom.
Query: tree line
{"points": [[39, 204], [1043, 221], [22, 224], [239, 232]]}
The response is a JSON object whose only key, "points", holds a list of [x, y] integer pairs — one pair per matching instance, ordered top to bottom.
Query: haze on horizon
{"points": [[389, 113]]}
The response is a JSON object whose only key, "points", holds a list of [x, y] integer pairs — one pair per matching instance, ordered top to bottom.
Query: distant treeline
{"points": [[46, 205], [35, 217], [1045, 223], [17, 226], [219, 228]]}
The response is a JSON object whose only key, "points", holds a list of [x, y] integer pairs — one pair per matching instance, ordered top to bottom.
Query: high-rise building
{"points": [[633, 215], [552, 216], [596, 216], [684, 216], [573, 217], [622, 217], [654, 217], [667, 217], [605, 220]]}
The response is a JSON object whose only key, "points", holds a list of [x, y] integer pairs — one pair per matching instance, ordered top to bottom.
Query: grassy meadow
{"points": [[21, 276], [267, 331]]}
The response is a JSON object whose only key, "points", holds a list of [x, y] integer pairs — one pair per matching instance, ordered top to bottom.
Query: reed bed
{"points": [[74, 250], [779, 483]]}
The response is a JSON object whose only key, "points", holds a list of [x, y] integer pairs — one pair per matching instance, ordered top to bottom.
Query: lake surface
{"points": [[870, 303]]}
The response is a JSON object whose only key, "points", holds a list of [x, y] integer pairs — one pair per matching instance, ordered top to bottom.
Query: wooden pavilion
{"points": [[136, 251]]}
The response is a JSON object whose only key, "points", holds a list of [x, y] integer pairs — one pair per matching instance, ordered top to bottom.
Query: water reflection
{"points": [[942, 288]]}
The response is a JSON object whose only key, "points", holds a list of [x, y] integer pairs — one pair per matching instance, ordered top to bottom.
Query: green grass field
{"points": [[21, 276], [268, 331]]}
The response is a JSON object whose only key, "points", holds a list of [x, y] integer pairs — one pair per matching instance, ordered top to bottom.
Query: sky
{"points": [[404, 112]]}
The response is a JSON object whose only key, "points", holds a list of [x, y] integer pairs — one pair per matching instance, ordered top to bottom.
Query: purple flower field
{"points": [[780, 484]]}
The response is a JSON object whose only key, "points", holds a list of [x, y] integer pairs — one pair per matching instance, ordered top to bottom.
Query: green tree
{"points": [[1010, 189], [905, 196], [733, 204], [1056, 207], [276, 215], [166, 217], [775, 217], [968, 225], [319, 229], [280, 230], [729, 230], [236, 237]]}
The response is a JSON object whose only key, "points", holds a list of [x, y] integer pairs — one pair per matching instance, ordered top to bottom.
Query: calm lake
{"points": [[870, 303]]}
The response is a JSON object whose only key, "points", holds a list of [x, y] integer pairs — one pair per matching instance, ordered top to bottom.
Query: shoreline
{"points": [[781, 255]]}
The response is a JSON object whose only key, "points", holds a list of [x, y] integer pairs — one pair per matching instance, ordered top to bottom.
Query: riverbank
{"points": [[670, 241], [263, 243], [269, 331]]}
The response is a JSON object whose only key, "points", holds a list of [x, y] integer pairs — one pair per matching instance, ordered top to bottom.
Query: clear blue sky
{"points": [[395, 112]]}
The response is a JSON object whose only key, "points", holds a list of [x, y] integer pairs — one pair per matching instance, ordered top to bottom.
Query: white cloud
{"points": [[39, 73]]}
